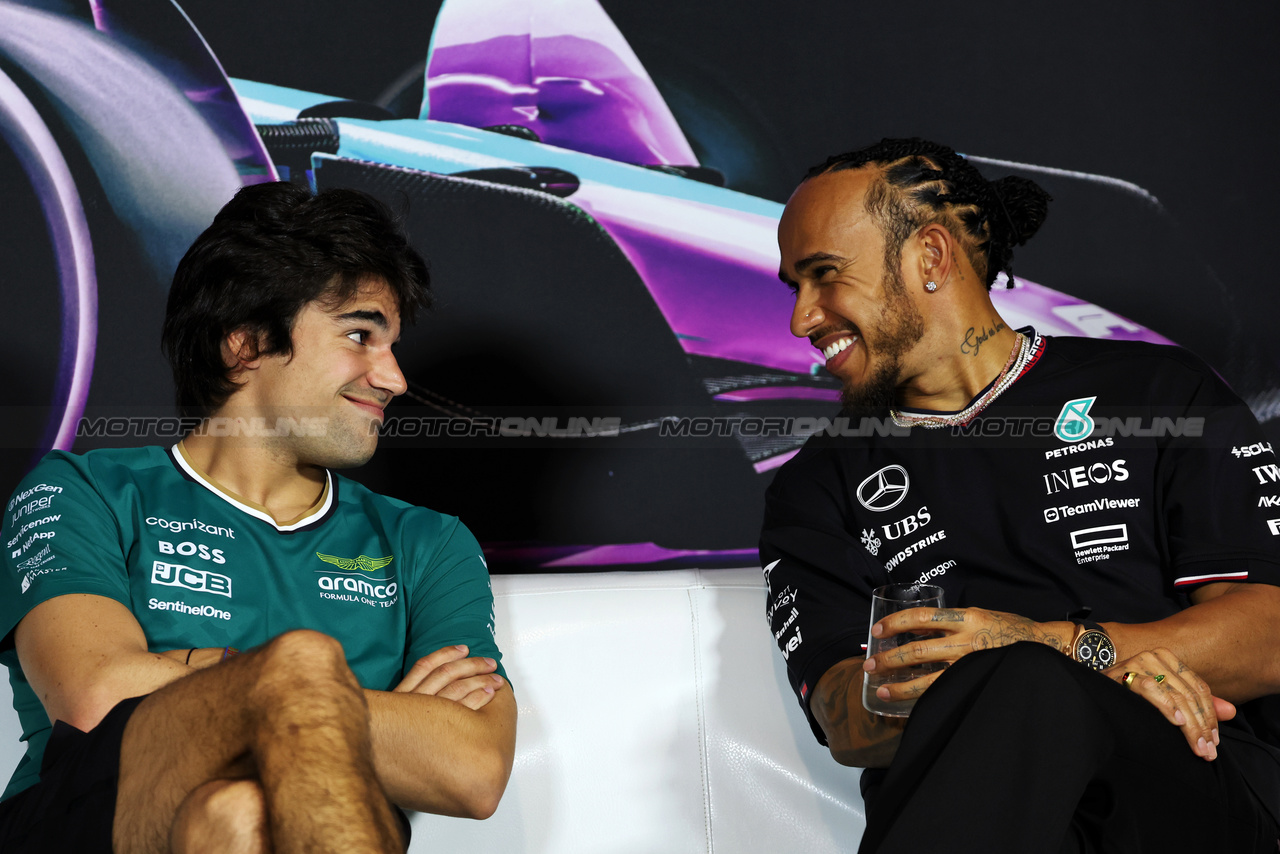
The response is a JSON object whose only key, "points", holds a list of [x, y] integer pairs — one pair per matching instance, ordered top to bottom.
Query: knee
{"points": [[304, 655], [304, 668], [222, 815]]}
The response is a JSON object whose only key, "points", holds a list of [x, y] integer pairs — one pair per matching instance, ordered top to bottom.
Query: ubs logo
{"points": [[885, 489], [909, 525]]}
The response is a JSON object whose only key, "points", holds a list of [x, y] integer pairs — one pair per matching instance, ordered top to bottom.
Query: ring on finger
{"points": [[1129, 676], [1159, 678]]}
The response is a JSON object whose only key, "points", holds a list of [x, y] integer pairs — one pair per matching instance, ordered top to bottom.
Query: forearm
{"points": [[1228, 637], [855, 736], [436, 755]]}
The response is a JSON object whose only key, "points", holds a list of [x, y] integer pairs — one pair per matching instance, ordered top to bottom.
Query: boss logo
{"points": [[1078, 476], [192, 550], [200, 580]]}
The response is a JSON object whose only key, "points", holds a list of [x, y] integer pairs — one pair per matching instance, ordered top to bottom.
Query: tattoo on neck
{"points": [[973, 340]]}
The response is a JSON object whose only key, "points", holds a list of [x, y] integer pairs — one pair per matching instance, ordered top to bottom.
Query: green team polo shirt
{"points": [[391, 581]]}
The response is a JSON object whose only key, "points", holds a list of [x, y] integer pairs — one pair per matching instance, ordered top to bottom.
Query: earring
{"points": [[930, 286]]}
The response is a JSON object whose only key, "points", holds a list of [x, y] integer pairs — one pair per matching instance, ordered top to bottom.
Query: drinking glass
{"points": [[885, 601]]}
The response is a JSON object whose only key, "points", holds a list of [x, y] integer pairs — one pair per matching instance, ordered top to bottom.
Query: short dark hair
{"points": [[924, 182], [271, 250]]}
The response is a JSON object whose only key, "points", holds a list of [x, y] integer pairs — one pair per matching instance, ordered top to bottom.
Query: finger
{"points": [[919, 620], [931, 650], [425, 665], [454, 671], [462, 687], [907, 690], [1199, 697], [1174, 698], [478, 699], [1224, 709]]}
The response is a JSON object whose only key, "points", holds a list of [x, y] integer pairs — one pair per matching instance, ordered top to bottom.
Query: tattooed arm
{"points": [[959, 631], [855, 736]]}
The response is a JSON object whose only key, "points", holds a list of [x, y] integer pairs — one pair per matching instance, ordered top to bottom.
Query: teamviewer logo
{"points": [[1051, 514]]}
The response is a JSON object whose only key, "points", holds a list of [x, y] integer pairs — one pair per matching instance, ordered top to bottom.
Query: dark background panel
{"points": [[1176, 97]]}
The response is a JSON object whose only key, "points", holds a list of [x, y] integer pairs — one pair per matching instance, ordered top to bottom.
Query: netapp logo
{"points": [[1078, 476], [885, 489], [200, 580]]}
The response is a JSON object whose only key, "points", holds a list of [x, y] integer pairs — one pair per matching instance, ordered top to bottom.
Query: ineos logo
{"points": [[885, 489]]}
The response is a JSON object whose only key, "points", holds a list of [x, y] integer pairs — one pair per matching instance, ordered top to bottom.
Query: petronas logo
{"points": [[1074, 422], [364, 563]]}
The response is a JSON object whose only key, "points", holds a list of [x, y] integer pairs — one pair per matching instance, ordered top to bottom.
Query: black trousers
{"points": [[1020, 749]]}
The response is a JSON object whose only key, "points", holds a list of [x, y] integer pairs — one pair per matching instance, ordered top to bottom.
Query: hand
{"points": [[951, 634], [450, 674], [1181, 696]]}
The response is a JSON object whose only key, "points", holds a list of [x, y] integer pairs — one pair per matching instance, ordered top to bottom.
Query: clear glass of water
{"points": [[888, 600]]}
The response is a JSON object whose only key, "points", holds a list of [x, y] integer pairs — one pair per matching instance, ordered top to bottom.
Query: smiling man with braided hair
{"points": [[1044, 484]]}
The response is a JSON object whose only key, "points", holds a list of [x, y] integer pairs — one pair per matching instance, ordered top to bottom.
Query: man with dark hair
{"points": [[1045, 484], [369, 677]]}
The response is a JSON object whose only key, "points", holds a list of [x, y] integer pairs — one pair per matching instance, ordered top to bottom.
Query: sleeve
{"points": [[1219, 487], [59, 537], [819, 577], [453, 601]]}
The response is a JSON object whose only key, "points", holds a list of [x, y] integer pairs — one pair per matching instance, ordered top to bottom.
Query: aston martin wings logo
{"points": [[363, 563]]}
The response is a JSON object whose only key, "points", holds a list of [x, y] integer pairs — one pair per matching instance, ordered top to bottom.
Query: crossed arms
{"points": [[1222, 650], [443, 741]]}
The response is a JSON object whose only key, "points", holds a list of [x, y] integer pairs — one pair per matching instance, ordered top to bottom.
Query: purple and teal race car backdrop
{"points": [[607, 379]]}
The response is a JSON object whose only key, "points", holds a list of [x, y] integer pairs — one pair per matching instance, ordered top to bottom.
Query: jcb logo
{"points": [[201, 580]]}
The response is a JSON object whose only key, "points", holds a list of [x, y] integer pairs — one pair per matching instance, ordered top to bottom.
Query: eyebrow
{"points": [[808, 261], [377, 318]]}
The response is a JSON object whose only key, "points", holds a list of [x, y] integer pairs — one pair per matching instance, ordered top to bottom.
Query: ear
{"points": [[937, 255], [240, 352]]}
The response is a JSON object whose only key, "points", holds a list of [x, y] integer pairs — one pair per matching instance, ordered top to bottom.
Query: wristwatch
{"points": [[1092, 646]]}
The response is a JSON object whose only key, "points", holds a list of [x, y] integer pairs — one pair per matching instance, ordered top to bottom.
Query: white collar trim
{"points": [[199, 478]]}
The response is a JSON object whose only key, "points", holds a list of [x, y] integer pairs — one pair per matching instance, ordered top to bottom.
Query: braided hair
{"points": [[924, 182]]}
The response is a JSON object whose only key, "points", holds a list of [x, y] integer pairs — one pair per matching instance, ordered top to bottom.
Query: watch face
{"points": [[1095, 650]]}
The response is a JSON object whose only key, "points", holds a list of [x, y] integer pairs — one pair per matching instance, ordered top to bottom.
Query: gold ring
{"points": [[1129, 676], [1159, 678]]}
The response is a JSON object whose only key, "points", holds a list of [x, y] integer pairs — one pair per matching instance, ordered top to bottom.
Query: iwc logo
{"points": [[1073, 422], [885, 489]]}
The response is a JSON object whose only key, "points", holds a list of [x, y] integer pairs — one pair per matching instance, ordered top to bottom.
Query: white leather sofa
{"points": [[654, 717]]}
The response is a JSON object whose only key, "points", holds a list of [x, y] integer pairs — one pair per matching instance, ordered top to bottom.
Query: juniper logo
{"points": [[1074, 423], [364, 563]]}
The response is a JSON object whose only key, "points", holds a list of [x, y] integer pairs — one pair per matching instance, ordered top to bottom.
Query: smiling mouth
{"points": [[838, 346], [369, 406]]}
